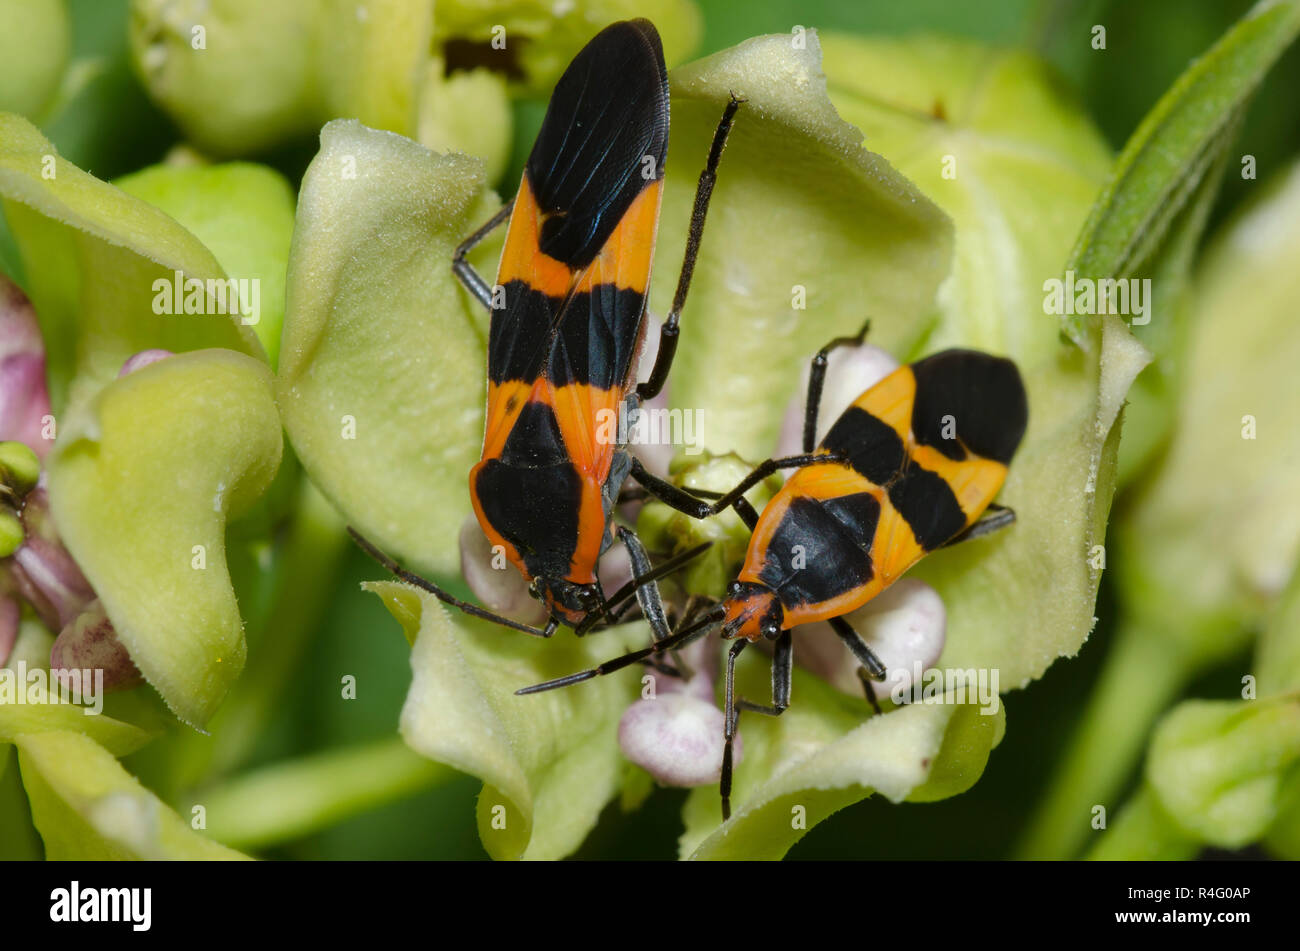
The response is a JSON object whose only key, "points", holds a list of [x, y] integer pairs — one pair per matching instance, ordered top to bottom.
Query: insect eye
{"points": [[735, 587], [770, 630]]}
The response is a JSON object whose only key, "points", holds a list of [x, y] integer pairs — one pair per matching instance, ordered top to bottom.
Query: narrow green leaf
{"points": [[1176, 143]]}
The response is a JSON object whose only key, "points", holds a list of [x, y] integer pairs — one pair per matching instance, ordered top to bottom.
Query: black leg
{"points": [[703, 192], [472, 280], [817, 380], [684, 501], [741, 505], [1001, 518], [647, 589], [471, 609], [608, 610], [678, 639], [871, 665], [782, 671], [868, 688]]}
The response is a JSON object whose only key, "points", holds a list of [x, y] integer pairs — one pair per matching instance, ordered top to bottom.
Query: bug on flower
{"points": [[567, 327], [911, 466]]}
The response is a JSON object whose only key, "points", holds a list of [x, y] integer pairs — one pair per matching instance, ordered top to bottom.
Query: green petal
{"points": [[541, 37], [35, 54], [1027, 164], [799, 203], [244, 214], [92, 253], [381, 366], [140, 478], [826, 752], [549, 762], [1218, 768], [86, 806]]}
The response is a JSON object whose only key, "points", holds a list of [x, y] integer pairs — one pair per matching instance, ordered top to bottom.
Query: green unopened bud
{"points": [[34, 48], [467, 112], [19, 467], [663, 528], [11, 533], [1218, 768]]}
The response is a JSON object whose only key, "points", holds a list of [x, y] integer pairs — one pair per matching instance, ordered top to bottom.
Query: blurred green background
{"points": [[111, 128]]}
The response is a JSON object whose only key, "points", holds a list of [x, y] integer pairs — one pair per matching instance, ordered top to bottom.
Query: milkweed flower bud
{"points": [[24, 397], [50, 581], [495, 582], [905, 625], [89, 642], [676, 738]]}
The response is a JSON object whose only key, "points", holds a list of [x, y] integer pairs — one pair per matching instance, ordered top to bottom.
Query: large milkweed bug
{"points": [[568, 322], [908, 468]]}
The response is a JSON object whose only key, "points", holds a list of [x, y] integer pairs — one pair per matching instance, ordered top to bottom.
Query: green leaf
{"points": [[34, 48], [1165, 159], [1025, 165], [799, 203], [244, 214], [92, 254], [381, 366], [142, 482], [826, 752], [549, 762], [1218, 768], [87, 807]]}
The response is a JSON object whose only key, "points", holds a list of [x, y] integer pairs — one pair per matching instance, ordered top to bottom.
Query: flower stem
{"points": [[1142, 674], [289, 800], [1143, 832]]}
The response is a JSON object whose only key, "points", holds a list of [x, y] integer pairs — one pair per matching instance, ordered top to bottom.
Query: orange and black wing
{"points": [[578, 253]]}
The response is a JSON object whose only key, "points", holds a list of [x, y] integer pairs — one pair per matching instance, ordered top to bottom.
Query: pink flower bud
{"points": [[24, 396], [50, 581], [496, 583], [905, 625], [90, 643], [676, 738]]}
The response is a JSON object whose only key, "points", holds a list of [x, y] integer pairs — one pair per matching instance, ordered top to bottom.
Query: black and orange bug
{"points": [[567, 326], [910, 467]]}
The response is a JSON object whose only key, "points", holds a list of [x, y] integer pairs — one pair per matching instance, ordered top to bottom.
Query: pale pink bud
{"points": [[24, 396], [496, 583], [904, 625], [89, 642], [676, 738]]}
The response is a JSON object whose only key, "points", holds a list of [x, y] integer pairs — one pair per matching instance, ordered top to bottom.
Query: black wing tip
{"points": [[973, 377]]}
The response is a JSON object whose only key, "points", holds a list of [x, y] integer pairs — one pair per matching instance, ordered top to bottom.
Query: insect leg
{"points": [[461, 267], [668, 334], [817, 380], [684, 501], [1001, 518], [411, 577], [647, 590], [609, 610], [677, 639], [871, 665], [782, 667]]}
